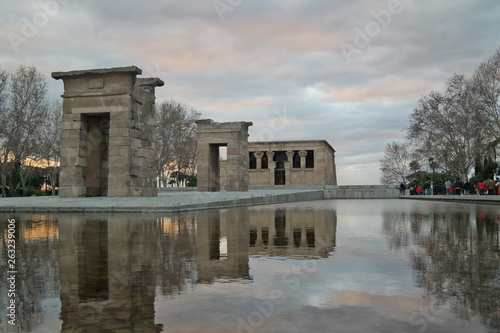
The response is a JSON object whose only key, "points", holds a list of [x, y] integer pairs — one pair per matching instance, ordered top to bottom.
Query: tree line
{"points": [[30, 131], [451, 133], [30, 134], [176, 144]]}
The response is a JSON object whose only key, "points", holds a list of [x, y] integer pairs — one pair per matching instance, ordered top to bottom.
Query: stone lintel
{"points": [[99, 71], [100, 109], [208, 125]]}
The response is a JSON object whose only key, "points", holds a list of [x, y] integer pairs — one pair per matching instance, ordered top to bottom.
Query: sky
{"points": [[349, 72]]}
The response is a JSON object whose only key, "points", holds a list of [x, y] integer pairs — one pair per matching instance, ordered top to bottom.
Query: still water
{"points": [[397, 266]]}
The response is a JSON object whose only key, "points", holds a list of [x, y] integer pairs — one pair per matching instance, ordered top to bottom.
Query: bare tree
{"points": [[4, 77], [4, 80], [486, 86], [22, 114], [449, 127], [175, 139], [49, 150], [395, 165]]}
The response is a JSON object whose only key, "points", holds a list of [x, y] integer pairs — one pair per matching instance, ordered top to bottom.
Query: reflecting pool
{"points": [[397, 266]]}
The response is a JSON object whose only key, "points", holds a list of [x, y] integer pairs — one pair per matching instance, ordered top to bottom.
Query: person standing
{"points": [[447, 185], [458, 186], [467, 187], [481, 187], [491, 187], [402, 188], [427, 188], [418, 190]]}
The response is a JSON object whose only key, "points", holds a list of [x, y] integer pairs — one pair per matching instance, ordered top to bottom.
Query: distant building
{"points": [[294, 163]]}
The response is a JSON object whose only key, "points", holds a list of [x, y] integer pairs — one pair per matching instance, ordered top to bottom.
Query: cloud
{"points": [[264, 56]]}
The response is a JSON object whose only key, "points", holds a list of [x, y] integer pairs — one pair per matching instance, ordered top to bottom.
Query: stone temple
{"points": [[107, 142], [108, 145], [291, 163]]}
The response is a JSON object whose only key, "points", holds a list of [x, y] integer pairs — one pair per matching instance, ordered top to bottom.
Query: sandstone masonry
{"points": [[211, 136], [107, 142]]}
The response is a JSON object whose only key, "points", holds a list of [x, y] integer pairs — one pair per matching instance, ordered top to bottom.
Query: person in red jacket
{"points": [[480, 186], [418, 190]]}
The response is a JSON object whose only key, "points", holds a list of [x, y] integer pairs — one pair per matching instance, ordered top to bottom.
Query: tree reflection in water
{"points": [[176, 252], [455, 256], [37, 268]]}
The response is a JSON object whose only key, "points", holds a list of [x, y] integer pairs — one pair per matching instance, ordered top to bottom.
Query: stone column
{"points": [[302, 154], [258, 155], [73, 156], [272, 166], [288, 167], [238, 239]]}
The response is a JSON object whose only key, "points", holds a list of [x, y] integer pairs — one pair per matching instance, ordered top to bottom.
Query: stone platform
{"points": [[479, 199], [178, 200], [185, 200], [166, 201]]}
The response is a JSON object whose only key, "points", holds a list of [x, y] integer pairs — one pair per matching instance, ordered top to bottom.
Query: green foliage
{"points": [[486, 171], [437, 178], [192, 181], [31, 191], [39, 193]]}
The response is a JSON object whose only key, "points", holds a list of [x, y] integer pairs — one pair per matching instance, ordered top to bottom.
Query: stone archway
{"points": [[211, 136]]}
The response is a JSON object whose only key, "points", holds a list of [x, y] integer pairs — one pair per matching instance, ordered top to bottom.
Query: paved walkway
{"points": [[483, 199], [166, 201], [177, 201]]}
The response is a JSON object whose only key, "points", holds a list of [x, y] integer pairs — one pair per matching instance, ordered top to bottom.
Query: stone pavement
{"points": [[480, 199], [183, 200], [166, 201]]}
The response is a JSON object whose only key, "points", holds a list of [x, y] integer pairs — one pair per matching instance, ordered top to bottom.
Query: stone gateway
{"points": [[211, 136], [107, 142]]}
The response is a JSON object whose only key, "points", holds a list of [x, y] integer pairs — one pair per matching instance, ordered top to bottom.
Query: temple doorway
{"points": [[279, 174]]}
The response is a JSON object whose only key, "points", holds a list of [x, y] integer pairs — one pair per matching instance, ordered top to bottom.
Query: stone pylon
{"points": [[211, 136], [108, 142]]}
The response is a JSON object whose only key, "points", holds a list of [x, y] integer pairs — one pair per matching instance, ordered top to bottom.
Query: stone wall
{"points": [[323, 171], [361, 192]]}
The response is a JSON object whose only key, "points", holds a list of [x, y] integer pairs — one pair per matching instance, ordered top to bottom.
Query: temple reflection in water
{"points": [[288, 232], [110, 267], [106, 273]]}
